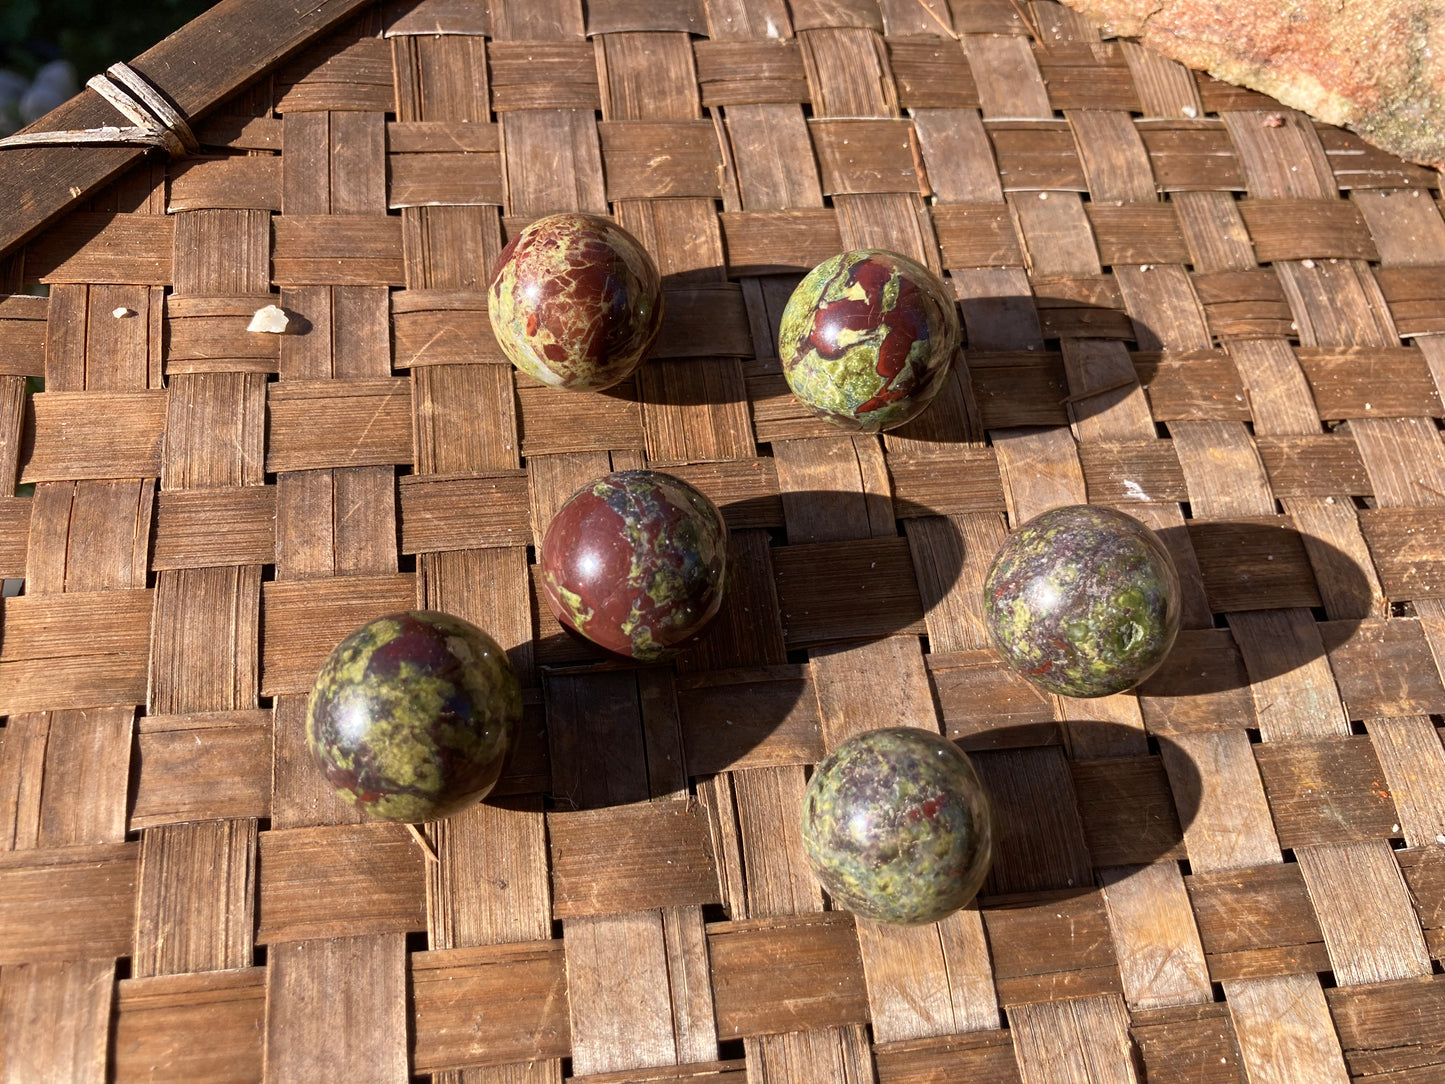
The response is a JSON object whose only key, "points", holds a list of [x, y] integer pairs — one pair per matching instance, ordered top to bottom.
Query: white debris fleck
{"points": [[1189, 111], [1043, 195], [1146, 267], [122, 312], [269, 318], [1367, 406], [1135, 490], [1394, 827], [1440, 838]]}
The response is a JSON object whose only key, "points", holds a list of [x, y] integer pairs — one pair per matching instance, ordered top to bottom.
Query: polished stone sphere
{"points": [[575, 302], [867, 340], [635, 562], [1083, 601], [412, 716], [896, 826]]}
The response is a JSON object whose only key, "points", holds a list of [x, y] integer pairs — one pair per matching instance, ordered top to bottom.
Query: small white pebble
{"points": [[1189, 111], [1043, 195], [1307, 263], [1146, 267], [122, 312], [268, 318], [1367, 406], [1329, 500], [1394, 827], [1440, 838]]}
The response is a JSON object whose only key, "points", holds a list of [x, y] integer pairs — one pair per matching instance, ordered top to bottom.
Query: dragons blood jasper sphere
{"points": [[575, 302], [867, 339], [635, 562], [1083, 601], [413, 715], [896, 826]]}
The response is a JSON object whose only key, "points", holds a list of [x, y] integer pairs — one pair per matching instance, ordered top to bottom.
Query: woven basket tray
{"points": [[1180, 299]]}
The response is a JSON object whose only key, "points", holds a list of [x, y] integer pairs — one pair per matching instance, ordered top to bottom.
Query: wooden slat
{"points": [[93, 247], [338, 250], [366, 423], [96, 435], [439, 513], [207, 527], [1403, 543], [832, 591], [303, 620], [78, 650], [1383, 668], [202, 767], [1326, 791], [1127, 811], [630, 858], [341, 881], [195, 898], [67, 903], [1364, 911], [1256, 922], [1052, 948], [822, 985], [469, 1002], [54, 1019], [204, 1026], [1385, 1028], [311, 1032], [1071, 1038], [1197, 1041], [986, 1057]]}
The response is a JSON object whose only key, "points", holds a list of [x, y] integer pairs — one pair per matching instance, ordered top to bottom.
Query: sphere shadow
{"points": [[1012, 384], [1257, 576], [739, 695], [1065, 821]]}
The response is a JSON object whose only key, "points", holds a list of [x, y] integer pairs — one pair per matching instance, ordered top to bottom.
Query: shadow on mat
{"points": [[1263, 574], [612, 724], [1063, 816]]}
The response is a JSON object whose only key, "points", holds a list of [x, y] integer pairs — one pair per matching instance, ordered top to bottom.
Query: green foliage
{"points": [[91, 34]]}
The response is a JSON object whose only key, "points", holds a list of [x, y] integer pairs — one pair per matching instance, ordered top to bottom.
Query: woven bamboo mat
{"points": [[1180, 299]]}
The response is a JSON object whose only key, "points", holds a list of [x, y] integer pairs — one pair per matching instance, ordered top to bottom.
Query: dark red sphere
{"points": [[635, 562]]}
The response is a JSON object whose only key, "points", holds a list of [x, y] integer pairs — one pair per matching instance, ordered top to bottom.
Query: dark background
{"points": [[91, 34]]}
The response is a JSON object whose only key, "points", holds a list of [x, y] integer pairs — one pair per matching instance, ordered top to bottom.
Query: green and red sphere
{"points": [[575, 302], [867, 339], [635, 562], [1083, 601], [413, 715], [897, 827]]}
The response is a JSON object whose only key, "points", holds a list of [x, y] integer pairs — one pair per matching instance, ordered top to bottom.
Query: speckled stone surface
{"points": [[575, 302], [867, 339], [635, 562], [1083, 601], [413, 715], [897, 827]]}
